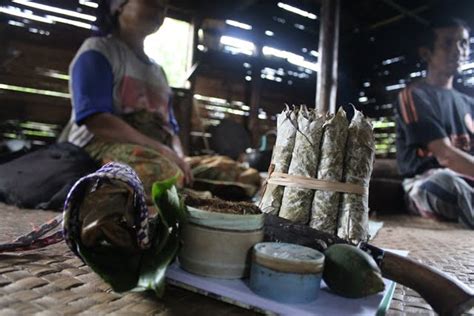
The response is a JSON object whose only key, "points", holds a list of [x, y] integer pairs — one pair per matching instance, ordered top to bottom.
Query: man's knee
{"points": [[444, 177], [447, 185], [444, 193]]}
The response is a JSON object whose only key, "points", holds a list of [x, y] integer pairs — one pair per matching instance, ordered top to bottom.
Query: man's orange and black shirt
{"points": [[426, 113]]}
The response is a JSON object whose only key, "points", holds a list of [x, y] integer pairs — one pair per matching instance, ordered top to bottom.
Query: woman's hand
{"points": [[183, 165]]}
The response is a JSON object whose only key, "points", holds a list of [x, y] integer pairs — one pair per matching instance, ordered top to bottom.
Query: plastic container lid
{"points": [[289, 258]]}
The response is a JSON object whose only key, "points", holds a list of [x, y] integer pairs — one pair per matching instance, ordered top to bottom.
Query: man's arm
{"points": [[112, 128], [451, 157]]}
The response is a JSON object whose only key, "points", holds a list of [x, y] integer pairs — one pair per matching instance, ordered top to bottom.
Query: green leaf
{"points": [[160, 187], [170, 206], [165, 244], [154, 264], [119, 270], [144, 270]]}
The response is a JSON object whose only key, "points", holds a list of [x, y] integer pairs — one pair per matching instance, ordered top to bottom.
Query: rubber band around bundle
{"points": [[303, 182]]}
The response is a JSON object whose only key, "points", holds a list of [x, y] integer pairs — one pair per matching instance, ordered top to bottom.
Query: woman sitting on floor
{"points": [[121, 108]]}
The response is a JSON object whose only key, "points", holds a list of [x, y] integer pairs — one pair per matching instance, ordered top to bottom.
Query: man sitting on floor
{"points": [[435, 128]]}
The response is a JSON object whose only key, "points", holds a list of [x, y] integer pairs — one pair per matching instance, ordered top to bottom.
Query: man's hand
{"points": [[451, 157]]}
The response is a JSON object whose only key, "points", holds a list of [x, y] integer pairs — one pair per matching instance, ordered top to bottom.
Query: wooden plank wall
{"points": [[28, 55], [29, 58]]}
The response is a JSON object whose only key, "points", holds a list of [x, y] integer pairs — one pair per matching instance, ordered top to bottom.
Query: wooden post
{"points": [[256, 87], [326, 90], [255, 97]]}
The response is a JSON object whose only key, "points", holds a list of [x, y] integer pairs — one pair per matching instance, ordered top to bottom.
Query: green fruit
{"points": [[350, 272]]}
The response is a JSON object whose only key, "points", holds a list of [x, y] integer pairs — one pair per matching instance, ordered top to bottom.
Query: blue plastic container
{"points": [[286, 273]]}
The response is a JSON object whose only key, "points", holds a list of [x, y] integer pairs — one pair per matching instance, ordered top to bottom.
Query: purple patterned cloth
{"points": [[110, 171], [70, 218], [35, 239]]}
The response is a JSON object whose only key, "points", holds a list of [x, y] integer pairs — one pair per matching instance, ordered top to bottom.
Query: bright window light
{"points": [[89, 4], [55, 10], [296, 10], [19, 13], [49, 19], [279, 20], [70, 22], [15, 23], [239, 24], [300, 26], [269, 33], [236, 42], [241, 46], [171, 47], [236, 51], [271, 51], [314, 53], [292, 58], [393, 60], [304, 63], [467, 66], [269, 71], [52, 74], [271, 77], [470, 81], [395, 87], [34, 91], [210, 99], [363, 99], [217, 100], [221, 105], [241, 105], [226, 110], [39, 126], [201, 134]]}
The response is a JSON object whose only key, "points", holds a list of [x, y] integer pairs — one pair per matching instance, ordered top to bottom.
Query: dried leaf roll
{"points": [[281, 159], [358, 164], [296, 202], [324, 211]]}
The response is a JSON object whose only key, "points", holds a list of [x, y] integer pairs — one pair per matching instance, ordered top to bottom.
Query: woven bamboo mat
{"points": [[446, 246], [53, 281]]}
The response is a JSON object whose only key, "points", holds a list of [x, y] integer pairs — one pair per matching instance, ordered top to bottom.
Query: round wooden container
{"points": [[218, 245]]}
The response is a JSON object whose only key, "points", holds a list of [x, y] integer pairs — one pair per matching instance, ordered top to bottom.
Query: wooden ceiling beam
{"points": [[406, 12], [397, 18]]}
